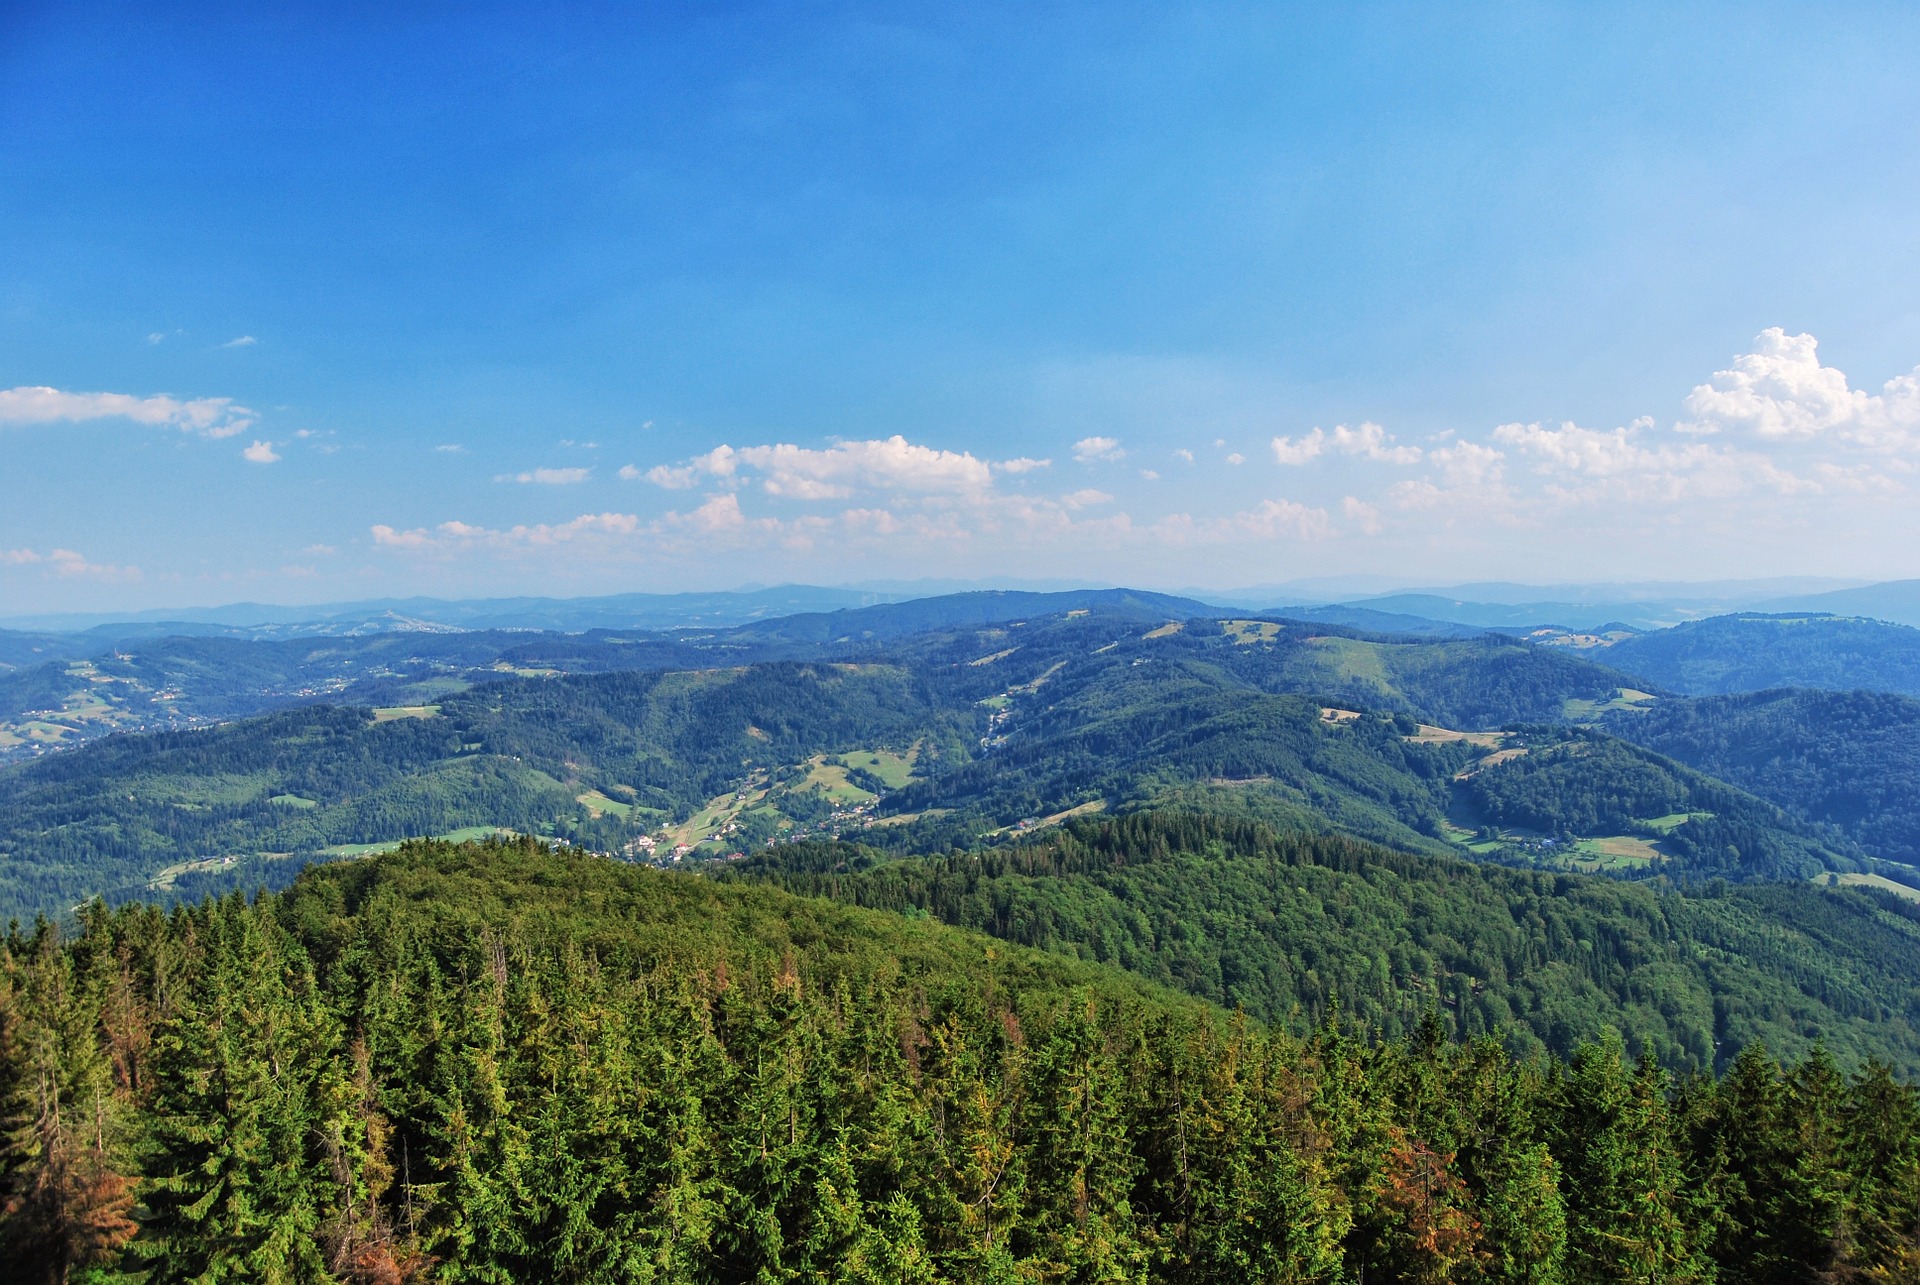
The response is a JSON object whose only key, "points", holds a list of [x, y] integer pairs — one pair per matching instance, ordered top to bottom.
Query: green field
{"points": [[1250, 631], [1581, 711], [387, 713], [895, 769], [598, 804], [1674, 820], [1881, 882]]}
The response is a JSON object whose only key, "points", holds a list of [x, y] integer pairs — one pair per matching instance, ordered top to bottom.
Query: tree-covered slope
{"points": [[1750, 653], [988, 727], [517, 755], [1850, 760], [1586, 784], [1288, 925], [508, 1064]]}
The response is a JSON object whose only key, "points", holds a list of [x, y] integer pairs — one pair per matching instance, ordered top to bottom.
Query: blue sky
{"points": [[321, 304]]}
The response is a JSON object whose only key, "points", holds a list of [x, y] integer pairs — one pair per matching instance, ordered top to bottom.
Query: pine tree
{"points": [[240, 1186], [67, 1203], [1628, 1219]]}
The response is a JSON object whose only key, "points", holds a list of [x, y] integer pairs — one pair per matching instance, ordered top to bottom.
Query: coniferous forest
{"points": [[509, 1063]]}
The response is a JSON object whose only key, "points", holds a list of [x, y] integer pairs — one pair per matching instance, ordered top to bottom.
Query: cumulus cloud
{"points": [[244, 341], [1780, 392], [206, 416], [1369, 441], [1089, 449], [261, 453], [1469, 464], [1021, 465], [803, 473], [547, 476], [1467, 476], [1363, 515], [1268, 521], [462, 535], [68, 562]]}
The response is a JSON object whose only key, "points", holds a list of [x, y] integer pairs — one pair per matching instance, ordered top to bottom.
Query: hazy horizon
{"points": [[308, 307], [1356, 589]]}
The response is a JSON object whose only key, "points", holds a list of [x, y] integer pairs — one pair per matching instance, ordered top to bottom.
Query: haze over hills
{"points": [[1894, 600], [1486, 604], [611, 611], [1747, 653]]}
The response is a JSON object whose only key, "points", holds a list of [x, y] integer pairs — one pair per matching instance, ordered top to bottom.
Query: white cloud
{"points": [[244, 341], [1781, 392], [207, 416], [1369, 440], [451, 448], [1089, 449], [1299, 450], [261, 453], [1184, 455], [1236, 459], [1469, 463], [1021, 465], [1589, 465], [802, 473], [1150, 474], [547, 476], [1472, 479], [1086, 499], [1363, 515], [1267, 521], [462, 535], [319, 550], [69, 563]]}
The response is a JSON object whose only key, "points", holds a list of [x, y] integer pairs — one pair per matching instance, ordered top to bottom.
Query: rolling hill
{"points": [[1751, 653], [921, 742], [1850, 760], [1289, 926]]}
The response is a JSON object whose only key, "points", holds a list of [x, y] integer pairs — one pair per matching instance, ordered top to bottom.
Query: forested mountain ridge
{"points": [[1750, 652], [66, 690], [988, 728], [972, 732], [517, 755], [1850, 760], [1566, 786], [1290, 926], [501, 1063]]}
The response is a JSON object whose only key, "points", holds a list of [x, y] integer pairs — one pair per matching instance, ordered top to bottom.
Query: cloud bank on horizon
{"points": [[1776, 425], [1775, 429]]}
